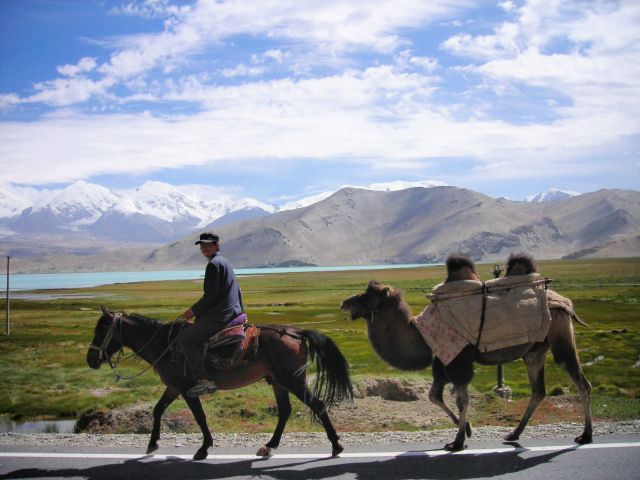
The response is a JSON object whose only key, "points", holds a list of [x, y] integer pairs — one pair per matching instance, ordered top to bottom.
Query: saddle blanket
{"points": [[516, 313]]}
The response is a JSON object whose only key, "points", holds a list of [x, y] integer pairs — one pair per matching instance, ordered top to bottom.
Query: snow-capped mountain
{"points": [[551, 195], [81, 203], [155, 211]]}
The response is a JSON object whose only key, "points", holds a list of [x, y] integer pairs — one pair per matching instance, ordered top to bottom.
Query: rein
{"points": [[111, 332]]}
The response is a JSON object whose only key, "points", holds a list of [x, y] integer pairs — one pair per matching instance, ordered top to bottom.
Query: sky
{"points": [[279, 100]]}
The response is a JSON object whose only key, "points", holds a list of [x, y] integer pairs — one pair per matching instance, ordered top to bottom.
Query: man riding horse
{"points": [[221, 302]]}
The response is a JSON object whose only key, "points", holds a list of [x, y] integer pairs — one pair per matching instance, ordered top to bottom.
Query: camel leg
{"points": [[565, 354], [534, 360], [437, 389], [435, 396], [167, 398], [462, 401], [284, 411], [198, 413]]}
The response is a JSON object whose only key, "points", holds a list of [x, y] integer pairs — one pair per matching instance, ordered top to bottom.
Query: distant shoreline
{"points": [[56, 281]]}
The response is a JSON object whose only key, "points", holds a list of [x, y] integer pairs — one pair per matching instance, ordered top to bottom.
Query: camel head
{"points": [[376, 296]]}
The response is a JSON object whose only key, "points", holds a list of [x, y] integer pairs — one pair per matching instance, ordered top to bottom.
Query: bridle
{"points": [[111, 332], [102, 349]]}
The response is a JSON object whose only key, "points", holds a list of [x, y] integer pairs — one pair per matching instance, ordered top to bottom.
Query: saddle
{"points": [[233, 346]]}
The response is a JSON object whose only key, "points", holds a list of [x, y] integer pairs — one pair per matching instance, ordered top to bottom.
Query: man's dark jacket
{"points": [[222, 300]]}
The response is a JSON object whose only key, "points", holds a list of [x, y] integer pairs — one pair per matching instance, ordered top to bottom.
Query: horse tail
{"points": [[333, 383]]}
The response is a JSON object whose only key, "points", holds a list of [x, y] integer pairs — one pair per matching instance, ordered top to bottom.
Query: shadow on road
{"points": [[405, 467]]}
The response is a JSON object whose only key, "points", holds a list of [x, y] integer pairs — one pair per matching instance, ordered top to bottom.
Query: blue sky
{"points": [[284, 99]]}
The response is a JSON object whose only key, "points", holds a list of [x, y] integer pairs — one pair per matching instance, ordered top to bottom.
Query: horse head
{"points": [[107, 340]]}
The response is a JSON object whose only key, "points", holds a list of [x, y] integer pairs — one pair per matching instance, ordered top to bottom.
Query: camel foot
{"points": [[512, 437], [584, 439], [454, 446], [152, 447], [337, 450], [263, 452], [201, 454]]}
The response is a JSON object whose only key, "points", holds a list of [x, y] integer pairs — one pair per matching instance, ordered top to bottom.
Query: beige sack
{"points": [[516, 313]]}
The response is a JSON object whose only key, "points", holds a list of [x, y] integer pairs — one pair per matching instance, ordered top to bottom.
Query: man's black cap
{"points": [[208, 237]]}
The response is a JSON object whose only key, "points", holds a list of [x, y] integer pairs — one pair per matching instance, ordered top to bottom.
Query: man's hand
{"points": [[188, 314]]}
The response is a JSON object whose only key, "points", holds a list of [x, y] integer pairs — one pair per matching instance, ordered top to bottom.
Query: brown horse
{"points": [[396, 340], [281, 359]]}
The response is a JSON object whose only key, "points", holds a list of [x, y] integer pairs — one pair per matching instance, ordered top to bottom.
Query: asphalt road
{"points": [[610, 458]]}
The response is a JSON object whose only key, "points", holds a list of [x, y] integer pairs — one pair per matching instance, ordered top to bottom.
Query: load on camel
{"points": [[404, 342]]}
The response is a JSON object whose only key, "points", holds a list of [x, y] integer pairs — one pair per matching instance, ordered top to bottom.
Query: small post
{"points": [[8, 297], [500, 389]]}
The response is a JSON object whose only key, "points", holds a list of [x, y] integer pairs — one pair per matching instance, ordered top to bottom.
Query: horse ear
{"points": [[386, 291], [106, 311]]}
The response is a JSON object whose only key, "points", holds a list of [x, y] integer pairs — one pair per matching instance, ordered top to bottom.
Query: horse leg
{"points": [[565, 354], [534, 360], [299, 388], [437, 389], [167, 398], [462, 401], [317, 407], [284, 411], [198, 413]]}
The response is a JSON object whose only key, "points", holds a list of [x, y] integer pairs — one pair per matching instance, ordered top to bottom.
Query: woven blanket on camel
{"points": [[516, 312]]}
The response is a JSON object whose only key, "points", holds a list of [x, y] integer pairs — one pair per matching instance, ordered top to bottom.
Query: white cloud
{"points": [[322, 30], [275, 54], [85, 64], [243, 71], [387, 113]]}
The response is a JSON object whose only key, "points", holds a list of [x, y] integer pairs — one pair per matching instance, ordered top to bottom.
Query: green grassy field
{"points": [[44, 373]]}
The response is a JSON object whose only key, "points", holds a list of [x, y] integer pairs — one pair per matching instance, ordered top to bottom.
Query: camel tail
{"points": [[578, 319], [333, 383]]}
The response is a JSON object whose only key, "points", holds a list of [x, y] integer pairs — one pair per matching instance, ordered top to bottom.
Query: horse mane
{"points": [[520, 264], [147, 321]]}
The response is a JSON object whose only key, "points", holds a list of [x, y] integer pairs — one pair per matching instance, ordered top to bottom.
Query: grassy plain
{"points": [[44, 374]]}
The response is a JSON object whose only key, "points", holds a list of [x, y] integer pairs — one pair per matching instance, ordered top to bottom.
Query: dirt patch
{"points": [[380, 404], [392, 404], [138, 419]]}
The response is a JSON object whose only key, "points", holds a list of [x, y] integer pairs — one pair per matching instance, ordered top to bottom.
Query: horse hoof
{"points": [[454, 447], [152, 448], [337, 450], [264, 452], [201, 454]]}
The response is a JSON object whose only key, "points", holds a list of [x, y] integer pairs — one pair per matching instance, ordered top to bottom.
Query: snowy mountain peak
{"points": [[551, 195], [78, 197]]}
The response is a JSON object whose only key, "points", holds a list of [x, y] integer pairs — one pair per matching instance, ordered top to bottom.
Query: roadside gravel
{"points": [[556, 431]]}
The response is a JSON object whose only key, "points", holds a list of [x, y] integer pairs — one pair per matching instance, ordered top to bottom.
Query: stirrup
{"points": [[203, 387]]}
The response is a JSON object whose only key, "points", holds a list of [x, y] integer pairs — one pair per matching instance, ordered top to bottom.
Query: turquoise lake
{"points": [[52, 281]]}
